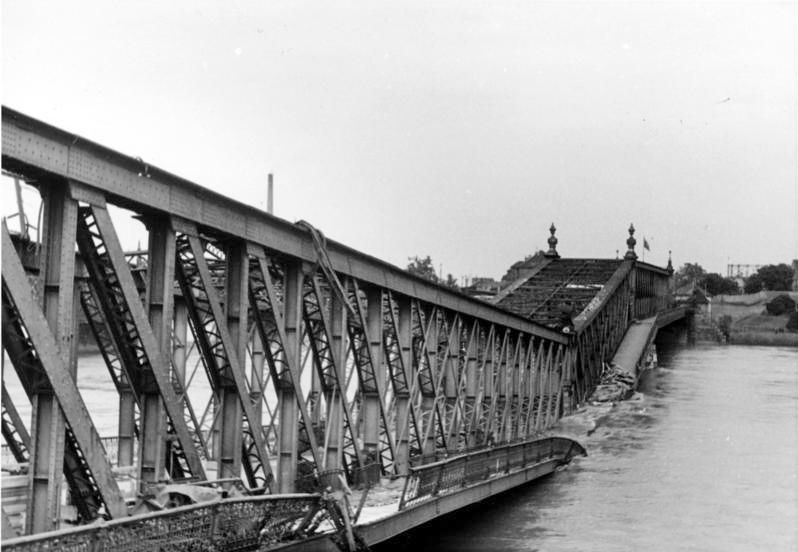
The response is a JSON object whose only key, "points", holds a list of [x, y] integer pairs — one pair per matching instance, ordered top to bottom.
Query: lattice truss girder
{"points": [[569, 283], [126, 340], [34, 353], [441, 382]]}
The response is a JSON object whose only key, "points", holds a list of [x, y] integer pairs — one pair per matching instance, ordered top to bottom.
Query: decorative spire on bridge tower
{"points": [[630, 242], [552, 252], [670, 263]]}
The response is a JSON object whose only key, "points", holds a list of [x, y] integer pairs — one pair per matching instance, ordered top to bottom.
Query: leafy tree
{"points": [[422, 267], [425, 268], [689, 273], [771, 278], [450, 281], [715, 284], [781, 304]]}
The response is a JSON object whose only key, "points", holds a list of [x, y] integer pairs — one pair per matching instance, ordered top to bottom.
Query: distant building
{"points": [[523, 268], [482, 288]]}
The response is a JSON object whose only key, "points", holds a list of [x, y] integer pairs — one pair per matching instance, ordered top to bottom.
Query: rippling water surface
{"points": [[706, 460]]}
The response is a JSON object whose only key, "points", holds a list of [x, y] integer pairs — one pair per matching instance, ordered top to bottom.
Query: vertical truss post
{"points": [[58, 275], [160, 292], [236, 308], [405, 337], [180, 341], [256, 375], [451, 377], [517, 381], [471, 385], [525, 388], [428, 398], [371, 399], [482, 412], [127, 429], [288, 441], [333, 454]]}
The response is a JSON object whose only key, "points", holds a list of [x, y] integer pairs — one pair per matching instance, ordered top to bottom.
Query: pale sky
{"points": [[459, 130]]}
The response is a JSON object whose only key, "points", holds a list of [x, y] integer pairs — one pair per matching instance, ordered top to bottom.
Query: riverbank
{"points": [[744, 320], [764, 338]]}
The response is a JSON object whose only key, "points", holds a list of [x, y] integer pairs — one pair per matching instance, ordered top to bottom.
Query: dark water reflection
{"points": [[706, 460]]}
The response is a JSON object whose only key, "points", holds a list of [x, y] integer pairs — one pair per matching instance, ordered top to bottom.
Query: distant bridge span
{"points": [[325, 366]]}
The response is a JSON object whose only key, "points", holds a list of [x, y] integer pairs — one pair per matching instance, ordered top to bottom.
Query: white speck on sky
{"points": [[455, 129]]}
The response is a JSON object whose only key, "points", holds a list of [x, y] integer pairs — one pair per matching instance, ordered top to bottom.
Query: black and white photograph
{"points": [[445, 276]]}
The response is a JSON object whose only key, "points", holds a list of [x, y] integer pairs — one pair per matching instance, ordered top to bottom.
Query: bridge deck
{"points": [[634, 344]]}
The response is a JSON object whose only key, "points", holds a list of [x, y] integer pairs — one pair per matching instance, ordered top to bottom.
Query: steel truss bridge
{"points": [[325, 368]]}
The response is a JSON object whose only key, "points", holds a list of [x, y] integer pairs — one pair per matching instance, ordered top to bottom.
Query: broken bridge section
{"points": [[324, 367]]}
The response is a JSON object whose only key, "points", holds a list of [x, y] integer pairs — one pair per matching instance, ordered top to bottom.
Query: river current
{"points": [[704, 458]]}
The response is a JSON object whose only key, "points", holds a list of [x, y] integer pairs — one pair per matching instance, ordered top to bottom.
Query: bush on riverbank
{"points": [[781, 304]]}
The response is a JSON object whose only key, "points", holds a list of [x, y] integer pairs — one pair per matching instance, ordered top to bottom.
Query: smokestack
{"points": [[270, 199]]}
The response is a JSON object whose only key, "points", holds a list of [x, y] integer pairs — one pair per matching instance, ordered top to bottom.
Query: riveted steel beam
{"points": [[31, 145], [56, 278], [23, 317], [147, 363]]}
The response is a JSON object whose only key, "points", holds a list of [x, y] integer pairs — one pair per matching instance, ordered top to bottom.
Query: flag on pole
{"points": [[645, 244]]}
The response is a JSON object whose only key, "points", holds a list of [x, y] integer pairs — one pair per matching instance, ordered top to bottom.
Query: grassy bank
{"points": [[785, 339]]}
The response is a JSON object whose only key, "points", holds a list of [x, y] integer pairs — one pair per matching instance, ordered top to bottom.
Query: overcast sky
{"points": [[459, 130]]}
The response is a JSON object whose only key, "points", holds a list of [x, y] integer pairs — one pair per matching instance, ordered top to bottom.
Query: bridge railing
{"points": [[652, 290], [599, 329], [454, 473], [232, 524]]}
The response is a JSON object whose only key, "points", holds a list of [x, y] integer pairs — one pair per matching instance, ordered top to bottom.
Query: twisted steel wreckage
{"points": [[348, 399]]}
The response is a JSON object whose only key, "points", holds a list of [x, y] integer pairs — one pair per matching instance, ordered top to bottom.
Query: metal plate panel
{"points": [[47, 154]]}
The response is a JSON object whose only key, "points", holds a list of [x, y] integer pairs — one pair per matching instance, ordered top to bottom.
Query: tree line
{"points": [[773, 277]]}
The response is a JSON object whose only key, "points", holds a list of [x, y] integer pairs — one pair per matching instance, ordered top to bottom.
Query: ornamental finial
{"points": [[552, 252], [630, 254], [670, 263]]}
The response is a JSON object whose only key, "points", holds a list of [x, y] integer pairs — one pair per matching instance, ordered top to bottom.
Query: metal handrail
{"points": [[431, 480], [232, 524]]}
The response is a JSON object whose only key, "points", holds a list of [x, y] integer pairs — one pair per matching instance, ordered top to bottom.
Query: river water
{"points": [[705, 459]]}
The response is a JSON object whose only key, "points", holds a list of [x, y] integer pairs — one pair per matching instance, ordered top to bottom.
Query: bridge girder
{"points": [[366, 365]]}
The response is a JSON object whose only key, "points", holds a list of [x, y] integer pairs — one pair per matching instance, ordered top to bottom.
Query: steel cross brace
{"points": [[109, 270], [20, 306], [320, 328], [225, 361], [442, 362], [285, 369], [398, 370], [367, 372], [426, 378], [457, 431]]}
